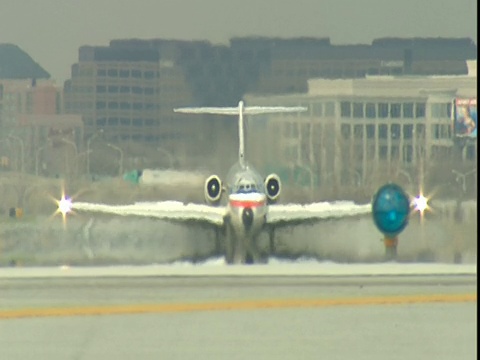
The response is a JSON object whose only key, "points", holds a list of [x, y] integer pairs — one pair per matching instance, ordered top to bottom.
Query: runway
{"points": [[301, 310]]}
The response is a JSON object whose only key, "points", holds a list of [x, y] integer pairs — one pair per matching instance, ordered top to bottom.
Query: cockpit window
{"points": [[244, 180], [245, 188]]}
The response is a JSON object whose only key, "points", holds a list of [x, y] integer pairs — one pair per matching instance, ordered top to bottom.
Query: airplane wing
{"points": [[167, 210], [295, 214]]}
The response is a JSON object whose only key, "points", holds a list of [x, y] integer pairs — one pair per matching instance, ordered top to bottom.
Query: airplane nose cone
{"points": [[247, 218]]}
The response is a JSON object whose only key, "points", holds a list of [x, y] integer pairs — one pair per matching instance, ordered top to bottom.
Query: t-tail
{"points": [[241, 110]]}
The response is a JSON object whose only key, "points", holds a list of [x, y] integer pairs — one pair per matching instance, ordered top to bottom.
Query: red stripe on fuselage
{"points": [[246, 203]]}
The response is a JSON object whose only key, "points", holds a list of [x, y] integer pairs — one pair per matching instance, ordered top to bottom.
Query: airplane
{"points": [[239, 208]]}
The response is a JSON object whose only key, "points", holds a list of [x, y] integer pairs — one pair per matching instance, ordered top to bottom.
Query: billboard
{"points": [[465, 118]]}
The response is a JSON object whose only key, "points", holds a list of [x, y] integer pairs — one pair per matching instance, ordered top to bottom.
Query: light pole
{"points": [[90, 139], [10, 149], [22, 151], [83, 153], [75, 156], [37, 157], [120, 168], [407, 176], [462, 177], [459, 216]]}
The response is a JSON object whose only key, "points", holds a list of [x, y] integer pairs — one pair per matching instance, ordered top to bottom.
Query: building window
{"points": [[101, 72], [112, 72], [124, 73], [136, 73], [149, 75], [101, 89], [113, 89], [125, 89], [137, 90], [101, 105], [113, 105], [125, 105], [345, 109], [358, 110], [383, 110], [395, 110], [408, 110], [420, 110], [435, 110], [441, 110], [370, 111], [449, 111], [137, 122], [358, 131], [370, 131], [383, 131], [395, 131], [407, 131], [420, 131], [441, 131], [383, 152], [471, 152], [407, 153]]}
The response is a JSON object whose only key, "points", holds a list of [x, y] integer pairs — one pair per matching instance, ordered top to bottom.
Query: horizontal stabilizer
{"points": [[247, 110], [240, 111]]}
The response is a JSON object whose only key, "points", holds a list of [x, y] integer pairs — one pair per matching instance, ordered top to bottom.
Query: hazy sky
{"points": [[51, 31]]}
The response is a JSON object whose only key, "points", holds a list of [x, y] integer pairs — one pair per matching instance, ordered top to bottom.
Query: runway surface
{"points": [[305, 310]]}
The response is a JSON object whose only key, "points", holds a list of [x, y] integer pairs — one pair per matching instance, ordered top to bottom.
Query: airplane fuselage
{"points": [[246, 201], [247, 212]]}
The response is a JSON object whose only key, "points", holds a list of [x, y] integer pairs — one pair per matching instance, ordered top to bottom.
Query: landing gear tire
{"points": [[219, 236], [271, 241], [249, 259]]}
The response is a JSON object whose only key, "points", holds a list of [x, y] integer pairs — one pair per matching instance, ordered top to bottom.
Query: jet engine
{"points": [[273, 187], [213, 189]]}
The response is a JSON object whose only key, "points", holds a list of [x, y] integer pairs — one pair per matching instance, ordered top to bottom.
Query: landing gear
{"points": [[219, 236], [229, 237], [271, 241], [243, 248]]}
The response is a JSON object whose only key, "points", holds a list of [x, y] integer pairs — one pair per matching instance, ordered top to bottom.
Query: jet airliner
{"points": [[243, 205]]}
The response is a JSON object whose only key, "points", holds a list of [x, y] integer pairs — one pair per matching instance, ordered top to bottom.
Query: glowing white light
{"points": [[421, 203], [64, 205]]}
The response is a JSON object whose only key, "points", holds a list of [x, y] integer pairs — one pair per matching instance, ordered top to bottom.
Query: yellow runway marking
{"points": [[235, 305]]}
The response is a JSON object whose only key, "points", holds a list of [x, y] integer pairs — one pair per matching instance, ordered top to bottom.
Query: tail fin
{"points": [[241, 110]]}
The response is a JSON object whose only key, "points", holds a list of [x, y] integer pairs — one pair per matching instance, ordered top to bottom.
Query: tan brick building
{"points": [[362, 131]]}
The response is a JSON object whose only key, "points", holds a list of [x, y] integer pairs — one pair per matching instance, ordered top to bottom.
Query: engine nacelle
{"points": [[273, 187], [213, 189]]}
